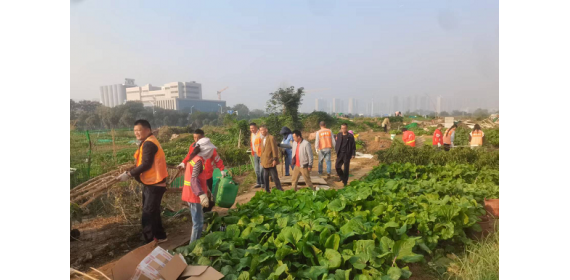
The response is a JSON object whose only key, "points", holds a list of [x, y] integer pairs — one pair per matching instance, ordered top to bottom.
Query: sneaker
{"points": [[338, 180], [257, 186]]}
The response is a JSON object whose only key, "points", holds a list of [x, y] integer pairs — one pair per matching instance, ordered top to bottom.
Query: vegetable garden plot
{"points": [[369, 230]]}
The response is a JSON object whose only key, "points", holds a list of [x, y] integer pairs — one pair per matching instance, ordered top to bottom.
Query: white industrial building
{"points": [[114, 95], [174, 96]]}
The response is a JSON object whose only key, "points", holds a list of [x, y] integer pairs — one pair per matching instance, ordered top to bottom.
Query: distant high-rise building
{"points": [[115, 95], [321, 105], [336, 105], [395, 105], [438, 105], [352, 106]]}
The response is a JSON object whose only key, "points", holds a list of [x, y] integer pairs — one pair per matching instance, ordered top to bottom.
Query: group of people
{"points": [[476, 137], [298, 154], [198, 165], [150, 171]]}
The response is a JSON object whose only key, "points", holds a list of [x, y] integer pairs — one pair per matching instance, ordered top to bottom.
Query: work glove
{"points": [[438, 145], [452, 145], [181, 165], [223, 173], [123, 177], [204, 200]]}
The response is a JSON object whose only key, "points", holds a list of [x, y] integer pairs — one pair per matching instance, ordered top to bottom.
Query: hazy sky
{"points": [[360, 49]]}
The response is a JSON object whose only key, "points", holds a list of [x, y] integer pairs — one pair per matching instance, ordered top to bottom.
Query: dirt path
{"points": [[359, 167]]}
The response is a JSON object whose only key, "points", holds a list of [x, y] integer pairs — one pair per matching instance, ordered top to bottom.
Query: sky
{"points": [[359, 49]]}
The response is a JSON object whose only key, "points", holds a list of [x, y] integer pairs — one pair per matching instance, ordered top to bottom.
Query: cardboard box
{"points": [[152, 262]]}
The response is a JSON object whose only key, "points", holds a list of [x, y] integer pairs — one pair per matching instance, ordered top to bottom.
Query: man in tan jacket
{"points": [[269, 158]]}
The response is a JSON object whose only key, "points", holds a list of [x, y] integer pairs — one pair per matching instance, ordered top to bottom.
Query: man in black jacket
{"points": [[345, 150]]}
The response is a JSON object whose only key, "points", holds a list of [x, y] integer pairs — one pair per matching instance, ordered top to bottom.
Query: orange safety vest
{"points": [[447, 136], [409, 138], [477, 138], [325, 140], [255, 146], [158, 170], [187, 193]]}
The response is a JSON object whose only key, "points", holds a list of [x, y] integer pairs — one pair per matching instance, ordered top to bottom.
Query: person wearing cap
{"points": [[324, 142]]}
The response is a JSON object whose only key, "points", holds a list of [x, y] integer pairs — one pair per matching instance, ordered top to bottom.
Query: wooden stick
{"points": [[175, 175], [95, 190], [81, 273], [101, 273]]}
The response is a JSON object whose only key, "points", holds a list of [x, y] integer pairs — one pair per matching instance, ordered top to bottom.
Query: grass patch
{"points": [[480, 261]]}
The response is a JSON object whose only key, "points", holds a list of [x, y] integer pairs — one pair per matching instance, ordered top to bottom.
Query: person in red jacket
{"points": [[437, 136], [409, 137], [210, 162]]}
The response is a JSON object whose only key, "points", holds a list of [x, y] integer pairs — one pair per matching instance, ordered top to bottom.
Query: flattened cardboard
{"points": [[153, 263], [125, 267], [173, 268], [195, 270], [200, 273]]}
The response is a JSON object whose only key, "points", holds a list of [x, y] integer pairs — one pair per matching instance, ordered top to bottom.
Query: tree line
{"points": [[87, 114]]}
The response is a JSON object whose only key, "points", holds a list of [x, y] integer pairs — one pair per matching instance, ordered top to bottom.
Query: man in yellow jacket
{"points": [[151, 172]]}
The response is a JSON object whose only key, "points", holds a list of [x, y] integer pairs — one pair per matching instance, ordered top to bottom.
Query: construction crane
{"points": [[220, 93]]}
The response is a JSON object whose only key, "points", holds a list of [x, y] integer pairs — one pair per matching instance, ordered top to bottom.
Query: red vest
{"points": [[437, 137], [409, 138], [187, 194]]}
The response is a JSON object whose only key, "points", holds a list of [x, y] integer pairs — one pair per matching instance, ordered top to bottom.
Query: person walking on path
{"points": [[409, 137], [448, 137], [476, 137], [287, 139], [437, 140], [324, 142], [255, 144], [345, 150], [269, 159], [302, 159], [214, 160], [151, 172], [195, 190]]}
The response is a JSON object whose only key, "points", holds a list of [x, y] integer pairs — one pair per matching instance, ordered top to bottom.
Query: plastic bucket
{"points": [[392, 136]]}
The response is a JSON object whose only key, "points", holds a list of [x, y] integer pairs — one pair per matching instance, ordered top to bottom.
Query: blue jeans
{"points": [[325, 154], [288, 156], [258, 169], [197, 221]]}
